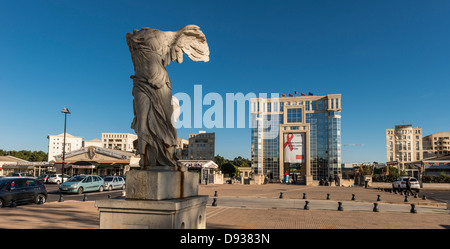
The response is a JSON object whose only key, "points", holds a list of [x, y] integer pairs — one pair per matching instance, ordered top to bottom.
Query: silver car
{"points": [[56, 178], [114, 182], [400, 183]]}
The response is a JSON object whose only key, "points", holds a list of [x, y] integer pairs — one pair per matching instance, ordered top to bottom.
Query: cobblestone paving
{"points": [[84, 215]]}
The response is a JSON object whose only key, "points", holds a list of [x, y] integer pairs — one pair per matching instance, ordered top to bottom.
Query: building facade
{"points": [[299, 136], [119, 141], [94, 142], [56, 144], [437, 144], [403, 145], [201, 146], [182, 149], [97, 160]]}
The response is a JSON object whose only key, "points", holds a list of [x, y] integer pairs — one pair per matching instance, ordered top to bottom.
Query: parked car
{"points": [[21, 174], [43, 178], [56, 178], [114, 182], [82, 183], [400, 184], [21, 190]]}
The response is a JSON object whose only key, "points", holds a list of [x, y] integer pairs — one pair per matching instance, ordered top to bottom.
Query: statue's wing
{"points": [[191, 41]]}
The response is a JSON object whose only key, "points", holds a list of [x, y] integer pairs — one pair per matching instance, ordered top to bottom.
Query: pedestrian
{"points": [[286, 177], [330, 179], [337, 180], [322, 182], [408, 186]]}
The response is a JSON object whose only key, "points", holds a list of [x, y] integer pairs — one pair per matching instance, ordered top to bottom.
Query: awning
{"points": [[199, 164]]}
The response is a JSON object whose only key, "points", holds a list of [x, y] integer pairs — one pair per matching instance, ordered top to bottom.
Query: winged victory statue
{"points": [[151, 51]]}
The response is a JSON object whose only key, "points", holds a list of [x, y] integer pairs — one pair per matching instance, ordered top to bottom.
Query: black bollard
{"points": [[395, 191], [401, 192], [215, 193], [281, 195], [304, 195], [415, 195], [109, 196], [328, 196], [353, 197], [424, 197], [61, 198], [85, 198], [378, 198], [406, 199], [41, 200], [214, 202], [306, 207], [375, 207], [340, 208], [413, 209]]}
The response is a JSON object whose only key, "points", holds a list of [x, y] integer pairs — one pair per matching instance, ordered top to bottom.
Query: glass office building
{"points": [[318, 118]]}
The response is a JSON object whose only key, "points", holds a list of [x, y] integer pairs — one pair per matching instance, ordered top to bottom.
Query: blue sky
{"points": [[390, 60]]}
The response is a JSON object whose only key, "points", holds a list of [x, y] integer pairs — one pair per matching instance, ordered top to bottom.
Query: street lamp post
{"points": [[65, 111]]}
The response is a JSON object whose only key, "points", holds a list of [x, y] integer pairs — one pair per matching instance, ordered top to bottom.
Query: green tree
{"points": [[32, 156], [219, 160], [229, 169]]}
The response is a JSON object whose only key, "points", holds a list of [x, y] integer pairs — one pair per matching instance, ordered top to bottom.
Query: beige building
{"points": [[118, 141], [56, 144], [437, 144], [403, 145], [201, 146], [97, 160]]}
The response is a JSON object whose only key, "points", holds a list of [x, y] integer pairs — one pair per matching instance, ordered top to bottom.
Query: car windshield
{"points": [[108, 178], [76, 179]]}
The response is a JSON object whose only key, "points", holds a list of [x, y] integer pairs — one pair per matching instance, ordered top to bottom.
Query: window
{"points": [[294, 115]]}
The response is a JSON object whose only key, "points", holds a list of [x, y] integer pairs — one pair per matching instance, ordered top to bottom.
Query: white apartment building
{"points": [[118, 141], [94, 142], [56, 144], [404, 145]]}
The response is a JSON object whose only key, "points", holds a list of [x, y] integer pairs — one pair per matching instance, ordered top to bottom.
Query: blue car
{"points": [[82, 183]]}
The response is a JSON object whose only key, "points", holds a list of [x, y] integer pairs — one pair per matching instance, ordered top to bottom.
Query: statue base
{"points": [[161, 184], [159, 198], [186, 213]]}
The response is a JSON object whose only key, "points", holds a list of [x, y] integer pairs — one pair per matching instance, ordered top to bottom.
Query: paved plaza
{"points": [[260, 207]]}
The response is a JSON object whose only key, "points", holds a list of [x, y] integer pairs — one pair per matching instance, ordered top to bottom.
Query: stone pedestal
{"points": [[161, 184], [159, 198], [186, 213]]}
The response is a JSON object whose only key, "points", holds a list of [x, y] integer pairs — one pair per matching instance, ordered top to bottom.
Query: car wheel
{"points": [[123, 187], [110, 188], [100, 189], [80, 190], [38, 197], [1, 203]]}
